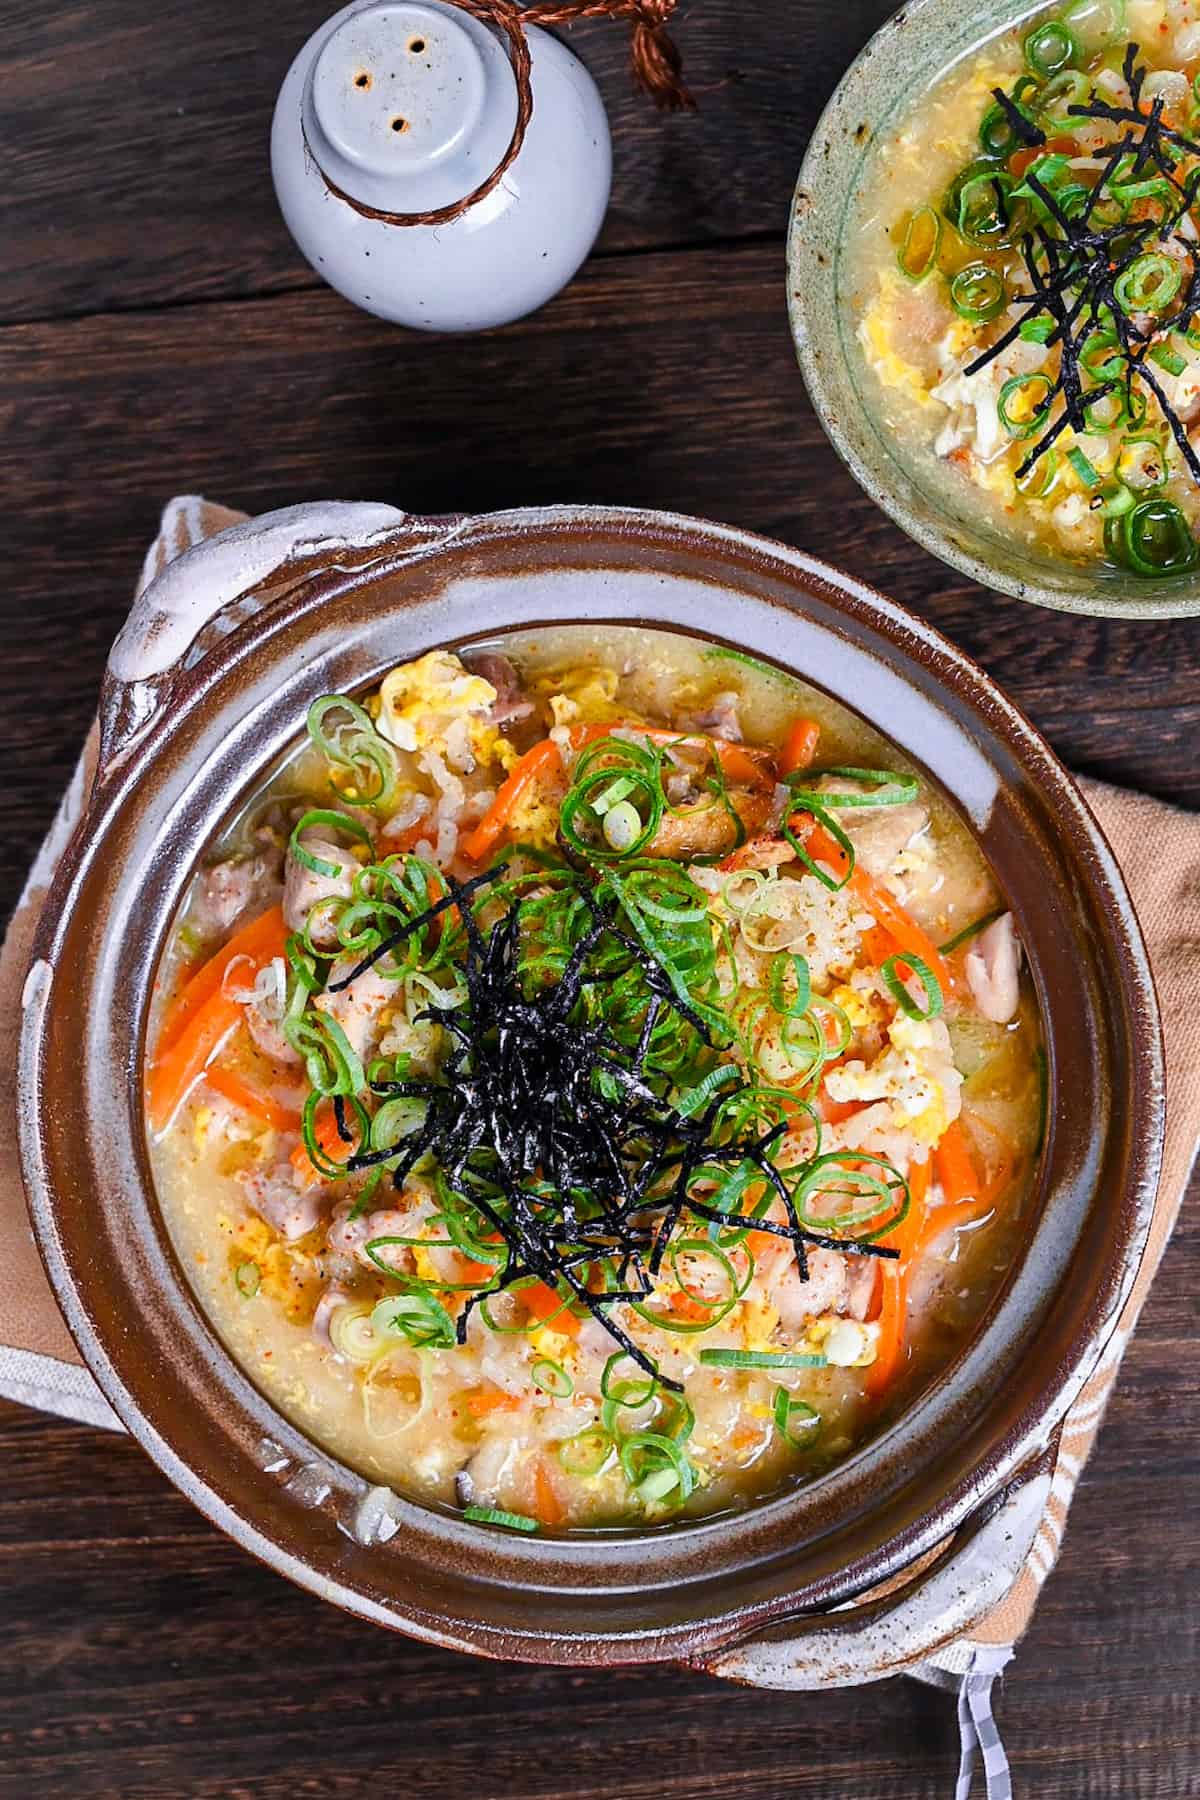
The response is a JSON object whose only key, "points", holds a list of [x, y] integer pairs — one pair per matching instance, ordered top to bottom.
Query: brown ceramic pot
{"points": [[195, 712]]}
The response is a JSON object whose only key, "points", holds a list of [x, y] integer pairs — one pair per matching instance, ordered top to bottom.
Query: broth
{"points": [[758, 882]]}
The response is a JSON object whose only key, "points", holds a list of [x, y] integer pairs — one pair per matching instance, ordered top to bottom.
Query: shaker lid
{"points": [[410, 104]]}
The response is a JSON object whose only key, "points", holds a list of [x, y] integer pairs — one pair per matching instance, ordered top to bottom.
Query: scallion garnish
{"points": [[918, 252], [896, 973], [762, 1359], [797, 1423], [494, 1515]]}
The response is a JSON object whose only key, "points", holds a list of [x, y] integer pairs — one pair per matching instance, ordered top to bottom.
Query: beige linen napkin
{"points": [[1158, 849]]}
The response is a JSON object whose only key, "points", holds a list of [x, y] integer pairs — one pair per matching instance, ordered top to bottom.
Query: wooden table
{"points": [[159, 333]]}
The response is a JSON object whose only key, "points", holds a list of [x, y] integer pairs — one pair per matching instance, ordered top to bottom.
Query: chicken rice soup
{"points": [[1026, 281], [593, 1081]]}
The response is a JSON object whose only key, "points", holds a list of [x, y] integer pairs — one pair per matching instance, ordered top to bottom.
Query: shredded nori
{"points": [[1073, 270], [559, 1136]]}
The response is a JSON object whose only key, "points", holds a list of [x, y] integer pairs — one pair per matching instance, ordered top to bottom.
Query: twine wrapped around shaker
{"points": [[657, 67]]}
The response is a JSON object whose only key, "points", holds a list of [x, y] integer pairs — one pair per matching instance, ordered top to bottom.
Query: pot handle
{"points": [[220, 583], [872, 1638]]}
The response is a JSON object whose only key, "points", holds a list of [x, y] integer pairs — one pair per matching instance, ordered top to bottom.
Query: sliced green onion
{"points": [[1050, 47], [1068, 88], [984, 215], [922, 240], [1149, 284], [978, 293], [1036, 331], [1094, 357], [1168, 359], [1025, 389], [1085, 469], [1037, 482], [1115, 498], [1152, 539], [356, 746], [884, 787], [332, 821], [622, 826], [972, 930], [894, 980], [797, 1005], [882, 1210], [247, 1279], [417, 1317], [352, 1333], [762, 1359], [552, 1378], [797, 1423], [587, 1452], [647, 1457], [493, 1515]]}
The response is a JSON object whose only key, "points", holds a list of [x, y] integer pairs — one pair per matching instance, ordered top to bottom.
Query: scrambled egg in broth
{"points": [[594, 1081]]}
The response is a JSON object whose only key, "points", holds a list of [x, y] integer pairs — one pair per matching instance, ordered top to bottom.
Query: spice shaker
{"points": [[417, 178]]}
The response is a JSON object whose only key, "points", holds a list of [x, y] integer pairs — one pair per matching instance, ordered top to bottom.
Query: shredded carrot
{"points": [[799, 746], [534, 766], [261, 940], [878, 945], [175, 1071], [252, 1100], [955, 1170], [470, 1270], [894, 1276], [543, 1302], [693, 1311], [489, 1400], [550, 1509]]}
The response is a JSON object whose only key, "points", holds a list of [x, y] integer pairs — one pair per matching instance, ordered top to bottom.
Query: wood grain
{"points": [[158, 333]]}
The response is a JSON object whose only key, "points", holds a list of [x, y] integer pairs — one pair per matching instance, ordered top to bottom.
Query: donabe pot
{"points": [[207, 686]]}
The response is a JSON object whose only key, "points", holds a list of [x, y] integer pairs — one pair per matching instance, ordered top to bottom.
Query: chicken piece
{"points": [[511, 703], [722, 717], [704, 827], [760, 853], [305, 888], [227, 889], [993, 968], [359, 1008], [267, 1034], [275, 1197], [349, 1237], [861, 1278], [798, 1301]]}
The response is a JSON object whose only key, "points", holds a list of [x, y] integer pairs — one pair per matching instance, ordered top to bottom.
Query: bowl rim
{"points": [[846, 104], [886, 625]]}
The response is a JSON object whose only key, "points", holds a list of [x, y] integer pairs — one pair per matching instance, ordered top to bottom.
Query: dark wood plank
{"points": [[136, 139]]}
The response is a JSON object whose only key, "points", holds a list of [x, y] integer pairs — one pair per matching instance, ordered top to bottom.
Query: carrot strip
{"points": [[799, 746], [532, 768], [261, 940], [174, 1073], [252, 1100], [955, 1170], [543, 1302], [693, 1311], [891, 1348], [489, 1400], [550, 1509]]}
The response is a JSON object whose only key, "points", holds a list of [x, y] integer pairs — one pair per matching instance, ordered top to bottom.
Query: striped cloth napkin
{"points": [[1158, 849]]}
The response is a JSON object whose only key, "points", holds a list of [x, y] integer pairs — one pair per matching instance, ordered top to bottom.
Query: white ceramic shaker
{"points": [[402, 107]]}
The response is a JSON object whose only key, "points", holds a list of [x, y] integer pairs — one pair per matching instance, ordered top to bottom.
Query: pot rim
{"points": [[886, 622]]}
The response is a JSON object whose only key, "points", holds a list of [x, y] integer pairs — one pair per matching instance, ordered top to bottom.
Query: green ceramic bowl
{"points": [[908, 53]]}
